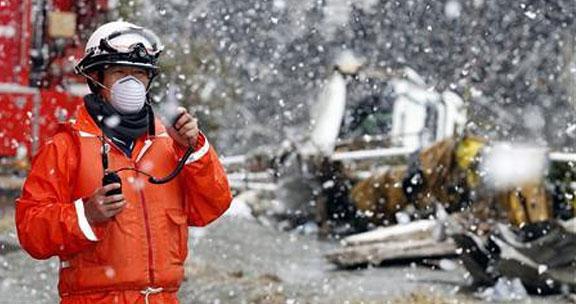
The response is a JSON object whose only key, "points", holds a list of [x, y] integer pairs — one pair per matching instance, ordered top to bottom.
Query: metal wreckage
{"points": [[427, 194], [527, 231]]}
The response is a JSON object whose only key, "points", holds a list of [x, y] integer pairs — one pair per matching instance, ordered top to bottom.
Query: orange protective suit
{"points": [[138, 255]]}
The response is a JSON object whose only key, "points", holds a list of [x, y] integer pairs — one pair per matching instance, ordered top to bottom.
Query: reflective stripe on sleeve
{"points": [[201, 152], [83, 221]]}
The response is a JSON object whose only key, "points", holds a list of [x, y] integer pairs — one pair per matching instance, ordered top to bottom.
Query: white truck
{"points": [[403, 115], [417, 115]]}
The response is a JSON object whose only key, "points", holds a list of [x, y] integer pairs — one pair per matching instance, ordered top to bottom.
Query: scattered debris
{"points": [[417, 230], [416, 240], [378, 253], [504, 290]]}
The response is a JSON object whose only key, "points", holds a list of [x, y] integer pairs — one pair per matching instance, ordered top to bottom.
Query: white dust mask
{"points": [[128, 95]]}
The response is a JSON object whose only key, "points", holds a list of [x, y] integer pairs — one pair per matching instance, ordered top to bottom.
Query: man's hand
{"points": [[185, 130], [100, 208]]}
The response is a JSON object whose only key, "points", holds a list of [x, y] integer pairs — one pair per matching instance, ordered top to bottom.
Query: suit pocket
{"points": [[177, 234]]}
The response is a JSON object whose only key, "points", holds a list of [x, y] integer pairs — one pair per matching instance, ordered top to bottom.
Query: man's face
{"points": [[113, 73]]}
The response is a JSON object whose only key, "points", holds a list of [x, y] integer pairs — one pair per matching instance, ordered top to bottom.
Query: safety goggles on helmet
{"points": [[144, 41], [133, 46]]}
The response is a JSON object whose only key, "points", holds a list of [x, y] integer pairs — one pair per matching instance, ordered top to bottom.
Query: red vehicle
{"points": [[40, 42]]}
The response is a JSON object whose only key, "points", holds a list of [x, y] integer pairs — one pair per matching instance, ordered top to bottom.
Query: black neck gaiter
{"points": [[130, 126]]}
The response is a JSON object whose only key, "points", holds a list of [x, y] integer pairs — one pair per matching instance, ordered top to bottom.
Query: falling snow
{"points": [[291, 89]]}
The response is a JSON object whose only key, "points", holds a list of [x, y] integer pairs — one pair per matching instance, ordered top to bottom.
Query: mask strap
{"points": [[81, 72], [93, 80]]}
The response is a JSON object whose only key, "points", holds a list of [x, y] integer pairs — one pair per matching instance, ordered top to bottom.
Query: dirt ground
{"points": [[238, 260]]}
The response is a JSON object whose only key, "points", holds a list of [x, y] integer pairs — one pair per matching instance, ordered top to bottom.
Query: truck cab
{"points": [[365, 108]]}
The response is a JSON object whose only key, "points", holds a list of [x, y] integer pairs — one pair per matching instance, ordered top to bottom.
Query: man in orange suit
{"points": [[122, 240]]}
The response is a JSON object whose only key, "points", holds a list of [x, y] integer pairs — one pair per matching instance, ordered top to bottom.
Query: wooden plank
{"points": [[375, 153], [417, 230], [378, 253]]}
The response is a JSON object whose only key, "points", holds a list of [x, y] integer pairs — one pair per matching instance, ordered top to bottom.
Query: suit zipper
{"points": [[146, 217], [148, 231], [149, 238]]}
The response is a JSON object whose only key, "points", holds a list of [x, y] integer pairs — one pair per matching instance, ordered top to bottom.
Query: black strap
{"points": [[151, 120], [104, 153]]}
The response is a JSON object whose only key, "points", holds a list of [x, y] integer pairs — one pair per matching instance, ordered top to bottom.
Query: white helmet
{"points": [[121, 43]]}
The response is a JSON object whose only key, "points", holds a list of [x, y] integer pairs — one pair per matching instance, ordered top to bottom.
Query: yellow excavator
{"points": [[448, 172]]}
